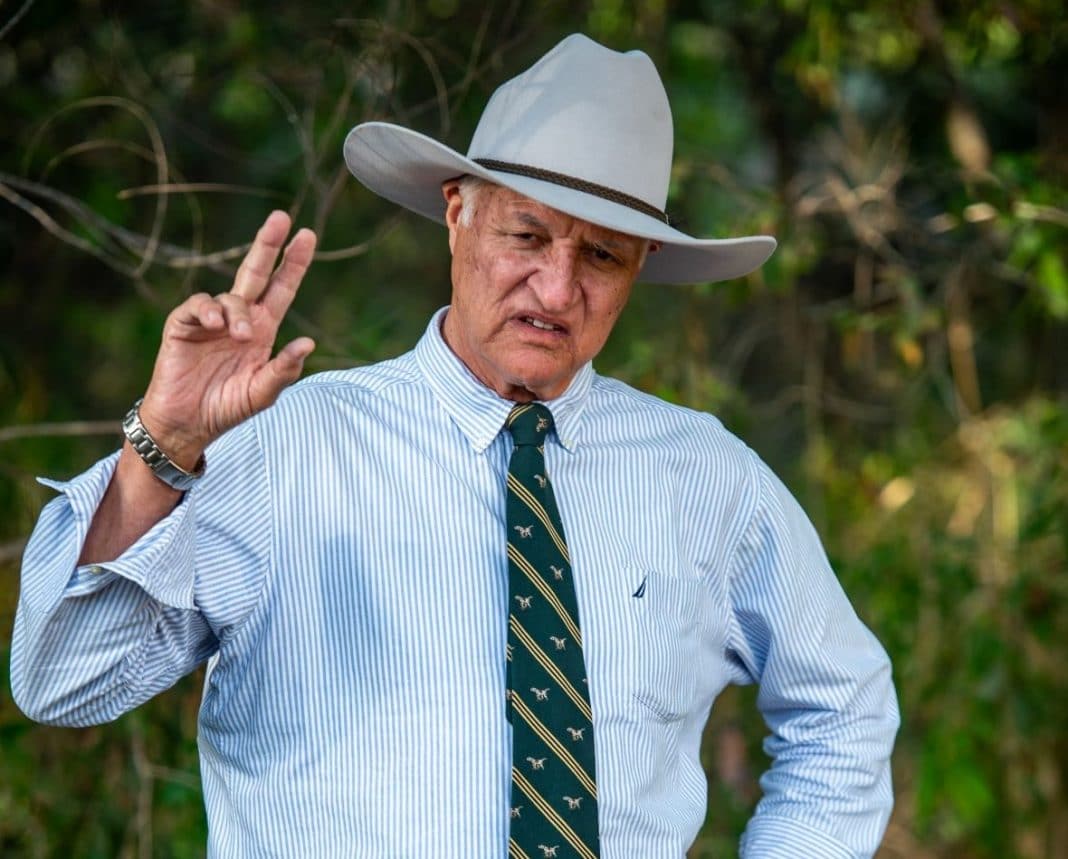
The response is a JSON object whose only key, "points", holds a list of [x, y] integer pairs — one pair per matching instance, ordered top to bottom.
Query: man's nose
{"points": [[557, 279]]}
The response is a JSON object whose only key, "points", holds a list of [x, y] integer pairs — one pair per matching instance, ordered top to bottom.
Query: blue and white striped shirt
{"points": [[342, 567]]}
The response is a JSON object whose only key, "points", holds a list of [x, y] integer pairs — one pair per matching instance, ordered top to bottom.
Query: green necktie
{"points": [[554, 791]]}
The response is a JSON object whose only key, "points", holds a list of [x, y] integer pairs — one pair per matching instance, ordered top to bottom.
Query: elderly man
{"points": [[477, 600]]}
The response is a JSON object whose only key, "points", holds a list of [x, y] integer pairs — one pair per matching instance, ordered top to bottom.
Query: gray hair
{"points": [[470, 188]]}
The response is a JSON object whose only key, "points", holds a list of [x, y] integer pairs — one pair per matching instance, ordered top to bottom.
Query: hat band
{"points": [[602, 191]]}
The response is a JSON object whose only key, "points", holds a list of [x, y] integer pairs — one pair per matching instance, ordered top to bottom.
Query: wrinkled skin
{"points": [[535, 291]]}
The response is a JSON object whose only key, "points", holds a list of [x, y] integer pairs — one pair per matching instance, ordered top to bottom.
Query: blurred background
{"points": [[902, 361]]}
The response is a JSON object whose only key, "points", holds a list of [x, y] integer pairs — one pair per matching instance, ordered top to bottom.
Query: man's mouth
{"points": [[539, 323]]}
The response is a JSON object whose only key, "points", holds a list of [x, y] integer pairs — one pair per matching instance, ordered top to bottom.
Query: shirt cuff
{"points": [[161, 561], [781, 838]]}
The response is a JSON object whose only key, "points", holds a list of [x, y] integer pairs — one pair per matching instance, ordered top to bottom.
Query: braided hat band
{"points": [[602, 191]]}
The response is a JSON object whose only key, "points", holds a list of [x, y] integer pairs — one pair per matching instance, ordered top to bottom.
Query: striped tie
{"points": [[554, 793]]}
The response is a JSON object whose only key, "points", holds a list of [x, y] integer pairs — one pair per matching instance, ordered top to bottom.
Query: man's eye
{"points": [[525, 237], [604, 256]]}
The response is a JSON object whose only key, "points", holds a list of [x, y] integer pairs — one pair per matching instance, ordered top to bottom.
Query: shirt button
{"points": [[96, 569]]}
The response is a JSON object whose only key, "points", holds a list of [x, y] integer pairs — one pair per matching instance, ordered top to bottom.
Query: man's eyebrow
{"points": [[528, 220], [611, 243], [619, 244]]}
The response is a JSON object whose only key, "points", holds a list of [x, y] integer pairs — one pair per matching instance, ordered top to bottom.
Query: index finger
{"points": [[255, 271]]}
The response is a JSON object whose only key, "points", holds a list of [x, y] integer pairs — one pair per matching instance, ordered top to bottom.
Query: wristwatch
{"points": [[162, 465]]}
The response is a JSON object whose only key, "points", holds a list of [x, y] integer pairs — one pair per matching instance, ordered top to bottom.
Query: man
{"points": [[363, 563]]}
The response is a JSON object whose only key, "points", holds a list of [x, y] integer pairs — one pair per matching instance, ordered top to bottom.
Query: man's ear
{"points": [[454, 204]]}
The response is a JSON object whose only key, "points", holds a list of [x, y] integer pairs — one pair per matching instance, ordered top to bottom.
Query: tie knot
{"points": [[529, 423]]}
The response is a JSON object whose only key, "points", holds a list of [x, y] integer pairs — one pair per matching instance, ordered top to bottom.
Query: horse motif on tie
{"points": [[547, 643]]}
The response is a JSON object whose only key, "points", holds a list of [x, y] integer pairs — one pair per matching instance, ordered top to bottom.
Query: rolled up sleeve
{"points": [[93, 641]]}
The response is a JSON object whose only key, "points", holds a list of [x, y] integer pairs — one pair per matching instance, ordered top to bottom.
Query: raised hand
{"points": [[214, 368]]}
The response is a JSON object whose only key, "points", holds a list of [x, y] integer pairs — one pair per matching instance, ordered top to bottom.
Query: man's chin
{"points": [[538, 387]]}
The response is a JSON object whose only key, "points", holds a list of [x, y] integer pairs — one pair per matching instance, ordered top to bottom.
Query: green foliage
{"points": [[900, 360]]}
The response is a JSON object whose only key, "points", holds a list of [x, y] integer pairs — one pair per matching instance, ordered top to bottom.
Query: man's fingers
{"points": [[255, 271], [286, 280], [200, 311], [236, 312], [214, 314], [280, 371]]}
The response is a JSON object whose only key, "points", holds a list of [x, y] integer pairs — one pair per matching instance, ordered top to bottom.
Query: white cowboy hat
{"points": [[587, 131]]}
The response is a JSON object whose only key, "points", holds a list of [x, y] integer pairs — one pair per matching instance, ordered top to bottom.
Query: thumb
{"points": [[278, 373]]}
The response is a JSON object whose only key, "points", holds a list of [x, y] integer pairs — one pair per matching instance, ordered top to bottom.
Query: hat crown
{"points": [[588, 112]]}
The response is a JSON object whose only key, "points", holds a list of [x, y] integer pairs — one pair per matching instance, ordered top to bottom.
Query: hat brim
{"points": [[408, 168]]}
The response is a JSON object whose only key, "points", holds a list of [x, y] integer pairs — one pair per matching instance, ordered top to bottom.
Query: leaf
{"points": [[1053, 281]]}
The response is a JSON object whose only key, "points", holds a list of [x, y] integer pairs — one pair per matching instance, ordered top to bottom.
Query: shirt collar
{"points": [[478, 411]]}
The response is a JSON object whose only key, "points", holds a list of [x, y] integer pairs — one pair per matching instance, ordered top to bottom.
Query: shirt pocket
{"points": [[664, 610]]}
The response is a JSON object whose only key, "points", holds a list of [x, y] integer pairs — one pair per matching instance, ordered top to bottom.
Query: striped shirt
{"points": [[341, 567]]}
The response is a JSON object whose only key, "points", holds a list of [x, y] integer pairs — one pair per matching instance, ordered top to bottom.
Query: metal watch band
{"points": [[162, 466]]}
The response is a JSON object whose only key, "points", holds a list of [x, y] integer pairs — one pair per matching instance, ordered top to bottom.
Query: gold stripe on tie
{"points": [[517, 411], [527, 498], [546, 591], [551, 668], [554, 744], [551, 815], [515, 850]]}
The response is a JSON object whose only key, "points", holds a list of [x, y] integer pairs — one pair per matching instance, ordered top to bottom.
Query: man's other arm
{"points": [[826, 692]]}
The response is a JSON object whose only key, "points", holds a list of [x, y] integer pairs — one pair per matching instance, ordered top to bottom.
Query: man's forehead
{"points": [[533, 213]]}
